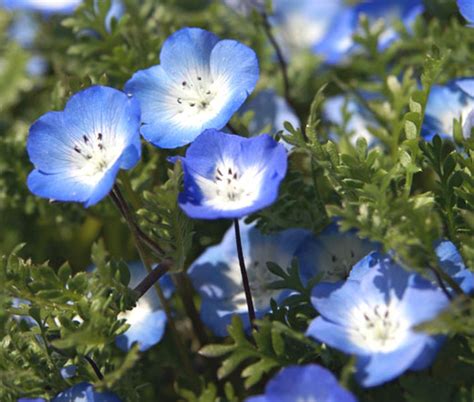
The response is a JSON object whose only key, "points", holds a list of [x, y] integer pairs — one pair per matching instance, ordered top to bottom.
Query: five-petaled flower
{"points": [[199, 84], [455, 100], [78, 152], [228, 176], [216, 275], [373, 316], [147, 319], [308, 383]]}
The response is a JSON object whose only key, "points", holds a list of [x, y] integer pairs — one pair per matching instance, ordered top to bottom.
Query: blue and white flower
{"points": [[43, 6], [466, 7], [327, 27], [201, 82], [454, 100], [271, 112], [359, 122], [78, 152], [227, 176], [332, 254], [452, 263], [216, 274], [374, 318], [147, 319], [308, 383], [84, 392]]}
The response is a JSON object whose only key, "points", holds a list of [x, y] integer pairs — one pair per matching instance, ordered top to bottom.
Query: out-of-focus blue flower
{"points": [[43, 6], [466, 7], [327, 27], [199, 84], [454, 100], [271, 111], [359, 122], [78, 152], [227, 176], [332, 254], [451, 262], [216, 274], [374, 317], [147, 319], [69, 371], [308, 383], [84, 392], [31, 400]]}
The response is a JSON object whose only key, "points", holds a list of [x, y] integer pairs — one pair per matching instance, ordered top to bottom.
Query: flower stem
{"points": [[122, 206], [243, 271]]}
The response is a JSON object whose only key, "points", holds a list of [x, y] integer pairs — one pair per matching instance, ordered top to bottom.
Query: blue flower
{"points": [[43, 6], [466, 7], [327, 27], [199, 84], [454, 100], [271, 112], [359, 122], [78, 152], [227, 176], [332, 254], [451, 262], [216, 274], [374, 317], [147, 319], [304, 384], [84, 392], [31, 400]]}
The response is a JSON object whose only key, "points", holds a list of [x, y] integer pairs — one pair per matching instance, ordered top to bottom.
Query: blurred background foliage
{"points": [[398, 194]]}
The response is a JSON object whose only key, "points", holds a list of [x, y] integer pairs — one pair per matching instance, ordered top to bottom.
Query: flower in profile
{"points": [[43, 6], [466, 7], [327, 27], [199, 84], [455, 100], [271, 112], [358, 123], [78, 152], [228, 176], [332, 254], [452, 263], [216, 274], [374, 318], [147, 319], [308, 383], [84, 392]]}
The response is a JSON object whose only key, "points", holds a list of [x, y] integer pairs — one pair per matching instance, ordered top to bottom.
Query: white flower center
{"points": [[92, 156], [231, 188], [138, 313], [378, 328]]}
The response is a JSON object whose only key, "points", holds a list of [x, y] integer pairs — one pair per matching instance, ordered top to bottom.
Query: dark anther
{"points": [[199, 78], [184, 83], [208, 92], [179, 101], [192, 104], [203, 104], [99, 136], [86, 140], [101, 147], [77, 149], [88, 156], [230, 171], [219, 172], [235, 176], [218, 178], [228, 181], [333, 258], [386, 314], [366, 317]]}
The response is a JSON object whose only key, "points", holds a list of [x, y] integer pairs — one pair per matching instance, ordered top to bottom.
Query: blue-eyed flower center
{"points": [[195, 93], [92, 155], [378, 328]]}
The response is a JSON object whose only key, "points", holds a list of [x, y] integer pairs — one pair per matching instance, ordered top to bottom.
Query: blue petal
{"points": [[59, 6], [466, 7], [271, 111], [104, 186], [451, 262], [147, 332], [334, 335], [428, 355], [382, 367], [304, 383], [84, 392], [31, 400]]}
